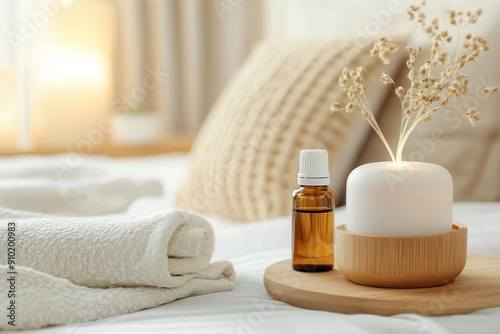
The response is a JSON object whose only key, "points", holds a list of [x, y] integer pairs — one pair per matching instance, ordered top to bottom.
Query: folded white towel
{"points": [[80, 191], [75, 269]]}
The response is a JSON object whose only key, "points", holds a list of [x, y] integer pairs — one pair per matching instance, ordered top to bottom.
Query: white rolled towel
{"points": [[141, 262]]}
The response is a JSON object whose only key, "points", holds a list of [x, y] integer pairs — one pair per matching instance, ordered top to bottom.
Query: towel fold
{"points": [[81, 269], [45, 300]]}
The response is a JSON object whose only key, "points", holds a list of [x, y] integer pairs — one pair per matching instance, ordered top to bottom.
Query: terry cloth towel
{"points": [[79, 191], [81, 269]]}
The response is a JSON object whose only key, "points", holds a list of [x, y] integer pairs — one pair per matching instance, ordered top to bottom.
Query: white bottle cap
{"points": [[313, 168]]}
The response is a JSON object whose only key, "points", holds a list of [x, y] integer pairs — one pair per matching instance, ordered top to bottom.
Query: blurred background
{"points": [[94, 75], [97, 76], [140, 76]]}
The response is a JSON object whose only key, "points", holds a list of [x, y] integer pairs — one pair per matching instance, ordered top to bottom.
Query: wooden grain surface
{"points": [[401, 262], [477, 287]]}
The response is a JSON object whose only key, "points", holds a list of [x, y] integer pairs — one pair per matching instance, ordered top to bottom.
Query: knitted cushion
{"points": [[245, 157]]}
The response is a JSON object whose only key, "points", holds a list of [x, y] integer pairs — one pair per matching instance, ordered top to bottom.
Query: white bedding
{"points": [[252, 247]]}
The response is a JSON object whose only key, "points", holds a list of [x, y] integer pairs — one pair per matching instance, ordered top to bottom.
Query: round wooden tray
{"points": [[477, 287]]}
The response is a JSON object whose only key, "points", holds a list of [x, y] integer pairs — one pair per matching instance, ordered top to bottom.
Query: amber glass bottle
{"points": [[313, 214]]}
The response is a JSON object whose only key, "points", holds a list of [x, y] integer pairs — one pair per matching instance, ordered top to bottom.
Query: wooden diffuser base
{"points": [[401, 262]]}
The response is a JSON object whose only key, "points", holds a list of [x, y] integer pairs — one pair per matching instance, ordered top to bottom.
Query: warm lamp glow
{"points": [[73, 63], [73, 80], [74, 95]]}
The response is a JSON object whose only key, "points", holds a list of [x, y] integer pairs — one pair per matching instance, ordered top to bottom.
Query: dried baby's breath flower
{"points": [[452, 17], [384, 48], [360, 71], [435, 77], [386, 79], [352, 82], [459, 86], [489, 90], [400, 91], [336, 106], [349, 108], [364, 114], [473, 116]]}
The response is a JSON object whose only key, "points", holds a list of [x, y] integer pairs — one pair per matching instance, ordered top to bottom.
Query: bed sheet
{"points": [[253, 246]]}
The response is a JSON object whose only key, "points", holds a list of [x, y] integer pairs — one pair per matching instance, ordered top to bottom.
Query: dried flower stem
{"points": [[427, 92], [373, 122]]}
